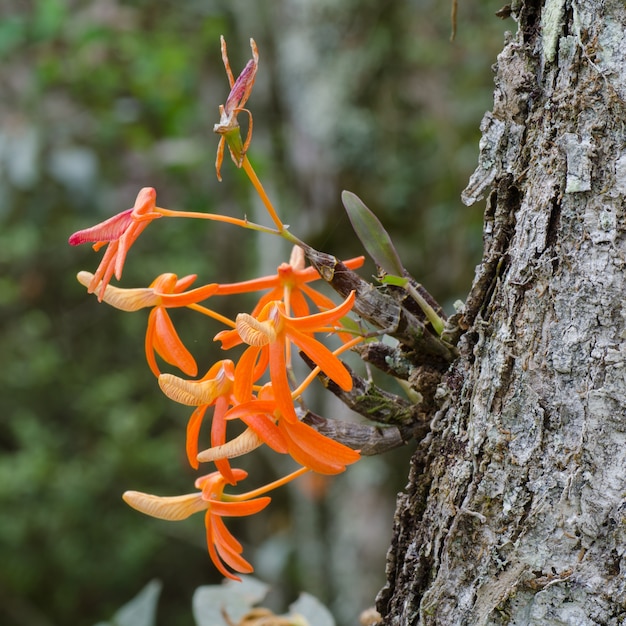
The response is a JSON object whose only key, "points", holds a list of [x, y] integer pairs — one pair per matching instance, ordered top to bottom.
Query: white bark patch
{"points": [[552, 26], [612, 52], [499, 138], [579, 154], [620, 174]]}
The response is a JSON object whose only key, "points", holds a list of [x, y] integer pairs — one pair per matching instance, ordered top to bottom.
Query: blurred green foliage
{"points": [[103, 97]]}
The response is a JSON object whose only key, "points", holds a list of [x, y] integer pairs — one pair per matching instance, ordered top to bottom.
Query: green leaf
{"points": [[373, 236]]}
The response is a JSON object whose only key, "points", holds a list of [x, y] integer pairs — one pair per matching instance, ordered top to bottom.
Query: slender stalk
{"points": [[254, 179], [218, 218], [210, 313], [255, 493]]}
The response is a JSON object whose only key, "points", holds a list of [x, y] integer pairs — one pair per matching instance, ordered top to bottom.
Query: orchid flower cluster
{"points": [[259, 388]]}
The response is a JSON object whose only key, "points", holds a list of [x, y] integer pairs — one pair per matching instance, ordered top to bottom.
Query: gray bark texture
{"points": [[515, 509]]}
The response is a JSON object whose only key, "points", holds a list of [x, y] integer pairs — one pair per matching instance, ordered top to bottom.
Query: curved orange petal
{"points": [[145, 203], [126, 241], [355, 262], [104, 271], [184, 282], [246, 286], [189, 297], [321, 301], [298, 304], [322, 319], [229, 338], [149, 344], [169, 346], [323, 357], [246, 372], [280, 383], [258, 415], [193, 432], [218, 437], [316, 451], [214, 482], [239, 509], [210, 541], [228, 548]]}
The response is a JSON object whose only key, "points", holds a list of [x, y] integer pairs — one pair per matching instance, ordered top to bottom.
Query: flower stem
{"points": [[254, 179], [218, 218], [210, 313], [255, 493]]}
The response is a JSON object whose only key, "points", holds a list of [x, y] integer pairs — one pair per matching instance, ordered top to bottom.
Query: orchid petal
{"points": [[109, 230], [188, 297], [124, 299], [320, 320], [253, 332], [168, 344], [323, 358], [245, 373], [280, 384], [190, 392], [256, 415], [193, 432], [247, 441], [316, 451], [215, 482], [172, 508], [239, 509], [227, 552], [213, 554]]}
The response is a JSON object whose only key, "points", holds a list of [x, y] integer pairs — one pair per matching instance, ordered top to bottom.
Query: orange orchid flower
{"points": [[228, 126], [119, 232], [289, 284], [166, 291], [269, 335], [215, 388], [304, 444], [224, 549]]}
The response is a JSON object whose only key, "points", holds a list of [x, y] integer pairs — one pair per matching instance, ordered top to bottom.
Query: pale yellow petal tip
{"points": [[84, 278], [124, 299], [253, 332], [188, 392], [240, 445], [174, 508]]}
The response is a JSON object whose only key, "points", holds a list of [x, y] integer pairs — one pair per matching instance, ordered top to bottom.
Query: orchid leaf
{"points": [[373, 236]]}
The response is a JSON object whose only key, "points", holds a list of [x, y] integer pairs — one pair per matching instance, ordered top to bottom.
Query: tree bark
{"points": [[515, 509]]}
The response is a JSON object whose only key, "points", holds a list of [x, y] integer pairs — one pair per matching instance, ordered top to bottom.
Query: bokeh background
{"points": [[100, 98]]}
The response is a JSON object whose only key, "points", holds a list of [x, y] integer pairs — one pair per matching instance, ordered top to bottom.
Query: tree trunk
{"points": [[515, 509]]}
